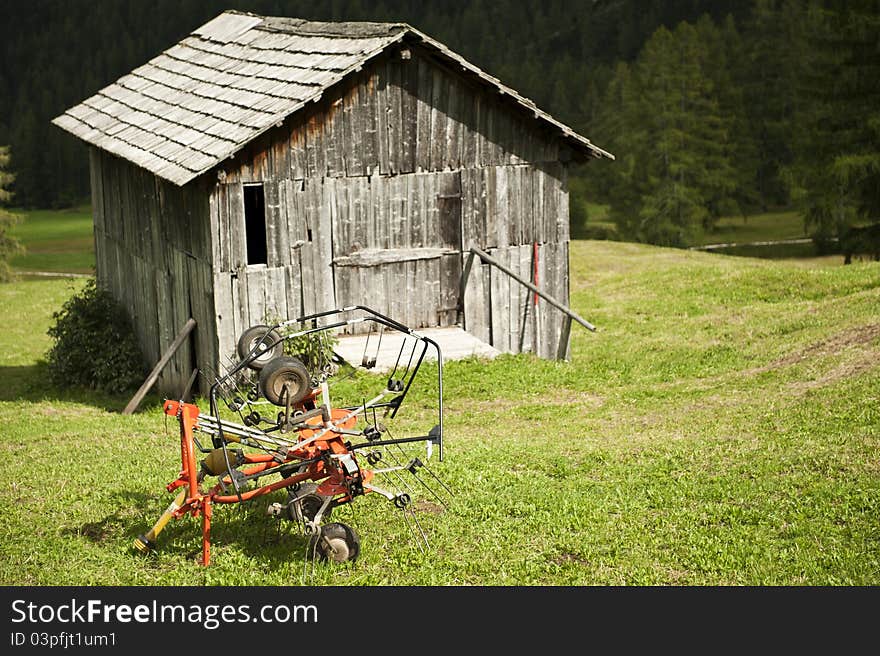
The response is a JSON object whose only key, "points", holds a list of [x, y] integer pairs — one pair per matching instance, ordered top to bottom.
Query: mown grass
{"points": [[768, 226], [56, 241], [721, 428]]}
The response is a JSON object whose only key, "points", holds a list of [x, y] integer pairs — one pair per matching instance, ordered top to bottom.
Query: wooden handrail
{"points": [[552, 301]]}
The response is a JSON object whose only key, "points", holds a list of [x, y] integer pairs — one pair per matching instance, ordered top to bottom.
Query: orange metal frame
{"points": [[334, 481]]}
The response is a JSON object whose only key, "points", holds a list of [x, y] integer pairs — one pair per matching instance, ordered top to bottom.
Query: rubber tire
{"points": [[249, 339], [279, 371], [343, 538]]}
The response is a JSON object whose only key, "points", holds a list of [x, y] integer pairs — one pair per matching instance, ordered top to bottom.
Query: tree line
{"points": [[712, 108], [714, 118]]}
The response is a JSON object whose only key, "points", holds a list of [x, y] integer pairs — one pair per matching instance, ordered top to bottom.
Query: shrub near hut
{"points": [[94, 344]]}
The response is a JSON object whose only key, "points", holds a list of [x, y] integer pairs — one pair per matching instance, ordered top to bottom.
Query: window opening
{"points": [[255, 224]]}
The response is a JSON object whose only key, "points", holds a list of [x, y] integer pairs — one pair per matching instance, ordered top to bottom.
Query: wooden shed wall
{"points": [[395, 173], [153, 252]]}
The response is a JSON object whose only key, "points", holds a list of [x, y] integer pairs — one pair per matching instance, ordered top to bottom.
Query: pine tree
{"points": [[773, 66], [674, 174], [836, 175], [9, 246]]}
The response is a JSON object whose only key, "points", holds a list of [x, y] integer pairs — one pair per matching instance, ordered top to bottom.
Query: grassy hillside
{"points": [[58, 241], [721, 427]]}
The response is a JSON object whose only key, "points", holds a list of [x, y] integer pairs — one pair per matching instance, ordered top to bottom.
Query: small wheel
{"points": [[254, 336], [285, 373], [309, 503], [336, 542]]}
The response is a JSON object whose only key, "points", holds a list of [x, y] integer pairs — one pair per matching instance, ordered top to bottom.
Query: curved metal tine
{"points": [[379, 344], [411, 354], [364, 360], [397, 362], [229, 390], [427, 469], [416, 476], [401, 479], [439, 480], [430, 489], [405, 511], [419, 524], [309, 559]]}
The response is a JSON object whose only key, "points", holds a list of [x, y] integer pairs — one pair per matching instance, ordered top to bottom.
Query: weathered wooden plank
{"points": [[439, 95], [424, 97], [394, 100], [409, 115], [382, 117], [369, 120], [453, 126], [331, 138], [353, 141], [315, 145], [299, 156], [96, 176], [415, 206], [449, 209], [490, 212], [562, 217], [501, 220], [342, 223], [297, 224], [235, 236], [277, 237], [396, 238], [323, 240], [372, 257], [449, 271], [255, 281], [293, 290], [498, 292], [279, 294], [514, 299], [481, 303], [527, 305], [202, 310], [241, 315], [151, 318], [181, 364]]}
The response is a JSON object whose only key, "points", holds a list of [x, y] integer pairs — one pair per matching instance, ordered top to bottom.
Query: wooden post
{"points": [[465, 274], [562, 349], [154, 374]]}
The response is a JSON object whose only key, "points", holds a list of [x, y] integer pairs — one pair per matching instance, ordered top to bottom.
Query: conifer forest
{"points": [[712, 108]]}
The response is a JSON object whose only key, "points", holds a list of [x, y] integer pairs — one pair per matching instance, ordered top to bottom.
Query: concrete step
{"points": [[455, 344]]}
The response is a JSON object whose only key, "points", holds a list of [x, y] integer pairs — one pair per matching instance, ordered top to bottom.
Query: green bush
{"points": [[94, 344]]}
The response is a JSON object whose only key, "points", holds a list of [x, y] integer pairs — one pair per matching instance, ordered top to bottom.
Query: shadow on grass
{"points": [[31, 383], [261, 537]]}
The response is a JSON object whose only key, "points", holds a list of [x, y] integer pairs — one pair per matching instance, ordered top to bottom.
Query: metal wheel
{"points": [[255, 335], [282, 376], [309, 503], [336, 542]]}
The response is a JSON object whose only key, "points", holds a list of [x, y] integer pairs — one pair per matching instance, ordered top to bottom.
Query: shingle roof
{"points": [[235, 77]]}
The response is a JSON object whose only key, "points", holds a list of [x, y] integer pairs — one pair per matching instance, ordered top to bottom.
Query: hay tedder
{"points": [[273, 425]]}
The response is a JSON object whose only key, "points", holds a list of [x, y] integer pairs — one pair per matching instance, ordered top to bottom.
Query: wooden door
{"points": [[396, 245]]}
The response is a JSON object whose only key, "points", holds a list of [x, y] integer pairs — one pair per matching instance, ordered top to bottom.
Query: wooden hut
{"points": [[265, 167]]}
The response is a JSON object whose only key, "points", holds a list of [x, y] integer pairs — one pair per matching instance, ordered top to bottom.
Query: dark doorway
{"points": [[255, 224]]}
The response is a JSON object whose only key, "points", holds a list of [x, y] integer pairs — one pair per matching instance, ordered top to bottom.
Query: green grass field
{"points": [[769, 226], [55, 241], [721, 428]]}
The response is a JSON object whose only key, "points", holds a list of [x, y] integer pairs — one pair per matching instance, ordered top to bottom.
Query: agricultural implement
{"points": [[323, 455]]}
